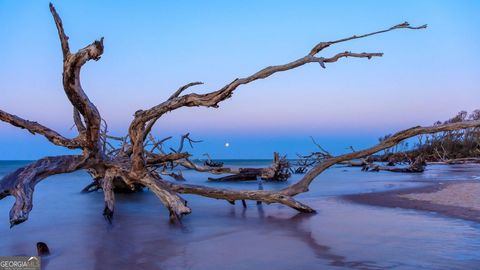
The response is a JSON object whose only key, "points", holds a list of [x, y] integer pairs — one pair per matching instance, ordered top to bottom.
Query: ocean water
{"points": [[217, 235]]}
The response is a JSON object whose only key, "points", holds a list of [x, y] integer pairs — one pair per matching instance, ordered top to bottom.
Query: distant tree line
{"points": [[439, 147]]}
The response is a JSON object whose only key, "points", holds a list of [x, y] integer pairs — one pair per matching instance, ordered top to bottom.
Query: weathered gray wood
{"points": [[133, 166]]}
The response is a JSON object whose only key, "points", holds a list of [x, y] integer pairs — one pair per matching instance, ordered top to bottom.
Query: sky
{"points": [[153, 47]]}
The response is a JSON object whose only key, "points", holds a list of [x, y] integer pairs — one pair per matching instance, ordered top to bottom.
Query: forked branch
{"points": [[72, 64], [138, 132]]}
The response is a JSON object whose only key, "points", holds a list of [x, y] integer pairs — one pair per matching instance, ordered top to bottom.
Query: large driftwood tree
{"points": [[134, 166]]}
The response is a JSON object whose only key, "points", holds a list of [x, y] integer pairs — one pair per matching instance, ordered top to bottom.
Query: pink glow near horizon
{"points": [[424, 76]]}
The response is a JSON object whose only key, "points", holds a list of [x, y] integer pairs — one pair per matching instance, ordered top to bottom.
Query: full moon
{"points": [[227, 144]]}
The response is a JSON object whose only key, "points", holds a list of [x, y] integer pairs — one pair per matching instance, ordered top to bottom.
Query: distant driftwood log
{"points": [[135, 160]]}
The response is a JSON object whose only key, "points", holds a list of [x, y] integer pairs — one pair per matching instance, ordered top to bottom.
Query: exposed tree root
{"points": [[21, 183], [92, 187]]}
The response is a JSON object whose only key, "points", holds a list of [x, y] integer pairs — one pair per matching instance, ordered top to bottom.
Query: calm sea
{"points": [[217, 235]]}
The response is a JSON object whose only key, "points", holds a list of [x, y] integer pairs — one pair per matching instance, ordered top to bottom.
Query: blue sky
{"points": [[153, 47]]}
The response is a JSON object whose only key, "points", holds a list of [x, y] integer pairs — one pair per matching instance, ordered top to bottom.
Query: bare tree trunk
{"points": [[135, 166]]}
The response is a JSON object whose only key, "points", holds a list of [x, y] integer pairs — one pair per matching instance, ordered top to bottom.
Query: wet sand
{"points": [[457, 199]]}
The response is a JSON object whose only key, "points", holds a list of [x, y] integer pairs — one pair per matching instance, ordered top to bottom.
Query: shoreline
{"points": [[426, 198]]}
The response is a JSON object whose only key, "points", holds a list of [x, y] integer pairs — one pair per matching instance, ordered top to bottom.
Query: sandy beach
{"points": [[458, 199]]}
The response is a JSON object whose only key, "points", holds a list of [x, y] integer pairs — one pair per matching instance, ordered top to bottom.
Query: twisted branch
{"points": [[72, 64], [34, 127], [137, 130], [132, 163], [21, 183], [303, 184]]}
